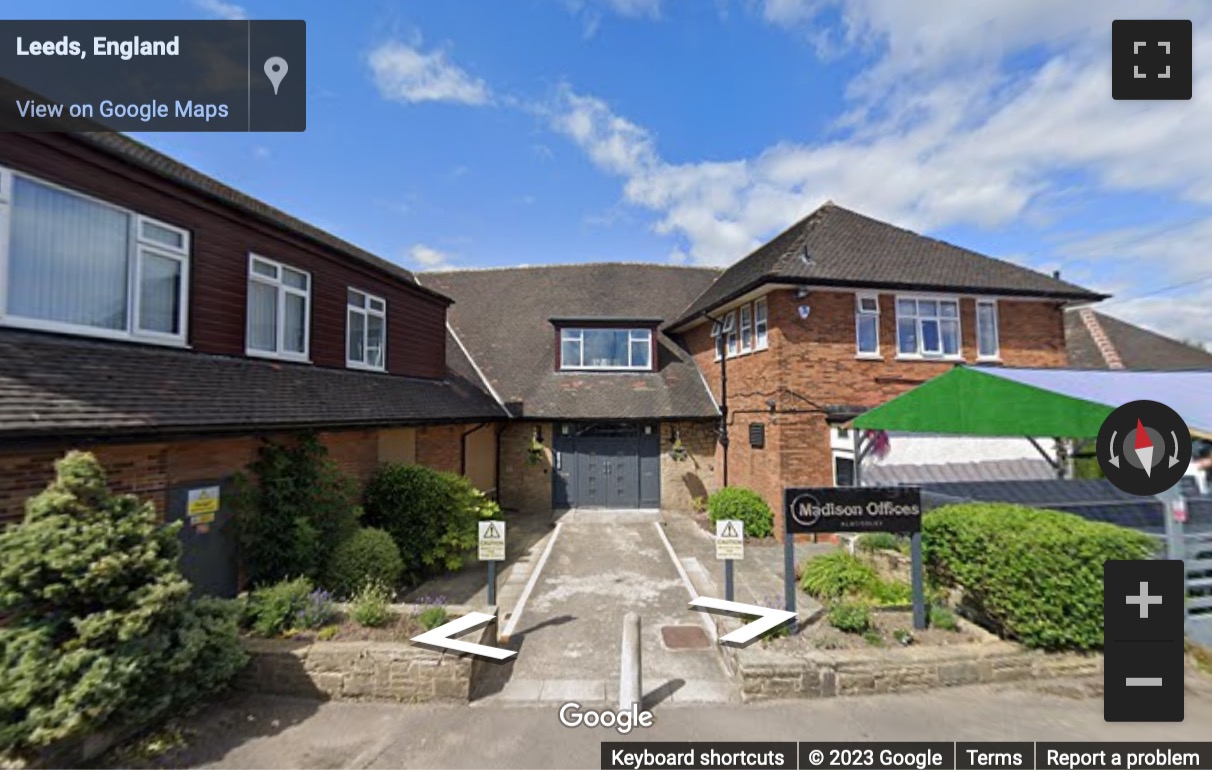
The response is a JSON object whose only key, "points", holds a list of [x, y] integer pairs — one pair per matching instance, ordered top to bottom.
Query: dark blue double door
{"points": [[607, 465]]}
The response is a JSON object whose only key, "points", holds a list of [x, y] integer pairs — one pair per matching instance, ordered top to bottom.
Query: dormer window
{"points": [[606, 349]]}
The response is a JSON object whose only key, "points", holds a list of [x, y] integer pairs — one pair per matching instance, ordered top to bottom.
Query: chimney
{"points": [[1056, 274]]}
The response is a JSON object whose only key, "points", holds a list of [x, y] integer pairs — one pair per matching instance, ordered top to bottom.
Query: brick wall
{"points": [[811, 363], [441, 446], [149, 469], [696, 476], [524, 487]]}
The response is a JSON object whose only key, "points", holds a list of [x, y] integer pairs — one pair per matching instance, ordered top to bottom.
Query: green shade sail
{"points": [[975, 402]]}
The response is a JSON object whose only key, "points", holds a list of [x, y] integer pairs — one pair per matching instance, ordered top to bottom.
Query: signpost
{"points": [[811, 510], [729, 545], [492, 550]]}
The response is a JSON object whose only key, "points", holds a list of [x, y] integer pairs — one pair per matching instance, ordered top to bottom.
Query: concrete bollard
{"points": [[630, 689]]}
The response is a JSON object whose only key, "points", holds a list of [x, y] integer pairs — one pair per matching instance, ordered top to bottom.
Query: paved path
{"points": [[568, 635], [269, 732]]}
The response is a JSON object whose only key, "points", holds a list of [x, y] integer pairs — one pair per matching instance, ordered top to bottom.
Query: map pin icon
{"points": [[275, 70]]}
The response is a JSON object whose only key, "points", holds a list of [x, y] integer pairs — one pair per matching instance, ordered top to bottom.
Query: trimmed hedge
{"points": [[744, 504], [430, 515], [367, 556], [1035, 575]]}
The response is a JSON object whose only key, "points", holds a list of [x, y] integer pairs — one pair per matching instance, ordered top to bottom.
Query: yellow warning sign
{"points": [[202, 501], [730, 539], [492, 541]]}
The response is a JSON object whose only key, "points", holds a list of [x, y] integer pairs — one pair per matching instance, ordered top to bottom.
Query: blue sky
{"points": [[474, 134]]}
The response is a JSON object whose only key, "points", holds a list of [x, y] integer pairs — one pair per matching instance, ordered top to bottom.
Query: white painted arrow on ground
{"points": [[767, 618], [439, 637]]}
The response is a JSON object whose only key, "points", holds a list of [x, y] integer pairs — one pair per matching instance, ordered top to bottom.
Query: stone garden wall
{"points": [[373, 671], [765, 672]]}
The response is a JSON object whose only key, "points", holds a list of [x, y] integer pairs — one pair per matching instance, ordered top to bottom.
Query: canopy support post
{"points": [[1055, 465]]}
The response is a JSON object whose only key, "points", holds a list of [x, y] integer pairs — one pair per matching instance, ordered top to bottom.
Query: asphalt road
{"points": [[265, 732]]}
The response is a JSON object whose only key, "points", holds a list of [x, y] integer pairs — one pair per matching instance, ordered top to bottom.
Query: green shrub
{"points": [[744, 504], [293, 507], [430, 515], [880, 541], [369, 555], [837, 574], [1035, 575], [890, 592], [371, 606], [273, 610], [317, 610], [432, 617], [851, 617], [941, 617], [98, 629], [873, 637]]}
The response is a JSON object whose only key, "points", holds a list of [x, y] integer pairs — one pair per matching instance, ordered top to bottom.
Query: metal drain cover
{"points": [[685, 638]]}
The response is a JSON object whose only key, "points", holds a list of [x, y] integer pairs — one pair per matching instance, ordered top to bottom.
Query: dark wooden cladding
{"points": [[222, 237]]}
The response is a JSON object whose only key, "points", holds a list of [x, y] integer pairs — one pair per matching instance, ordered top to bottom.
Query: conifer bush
{"points": [[99, 629]]}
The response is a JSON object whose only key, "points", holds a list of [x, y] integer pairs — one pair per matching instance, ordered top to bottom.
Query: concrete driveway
{"points": [[569, 631]]}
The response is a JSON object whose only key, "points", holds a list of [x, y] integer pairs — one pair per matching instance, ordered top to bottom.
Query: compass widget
{"points": [[1144, 447]]}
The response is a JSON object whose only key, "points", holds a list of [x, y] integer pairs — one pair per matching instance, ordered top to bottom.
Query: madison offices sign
{"points": [[852, 509]]}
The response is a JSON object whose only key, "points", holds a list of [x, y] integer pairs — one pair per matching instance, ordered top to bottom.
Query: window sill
{"points": [[73, 330], [277, 357], [868, 357], [928, 359], [988, 359], [364, 367]]}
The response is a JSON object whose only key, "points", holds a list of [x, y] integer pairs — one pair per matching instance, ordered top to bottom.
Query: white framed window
{"points": [[75, 264], [279, 310], [867, 325], [927, 327], [746, 329], [365, 331], [717, 334], [731, 338], [761, 340], [987, 344], [627, 349]]}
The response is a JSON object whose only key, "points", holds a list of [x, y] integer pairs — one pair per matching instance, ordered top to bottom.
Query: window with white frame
{"points": [[75, 264], [279, 309], [760, 324], [867, 324], [927, 326], [746, 329], [366, 331], [717, 334], [731, 339], [987, 345], [606, 349]]}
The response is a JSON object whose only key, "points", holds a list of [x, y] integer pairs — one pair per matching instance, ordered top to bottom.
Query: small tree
{"points": [[293, 508], [98, 625]]}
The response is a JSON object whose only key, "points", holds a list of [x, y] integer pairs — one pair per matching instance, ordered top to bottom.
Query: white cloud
{"points": [[221, 9], [592, 12], [406, 73], [963, 138], [429, 258]]}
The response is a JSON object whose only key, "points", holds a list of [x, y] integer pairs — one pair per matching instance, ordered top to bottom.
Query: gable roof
{"points": [[140, 155], [851, 249], [504, 315], [1099, 341], [57, 386]]}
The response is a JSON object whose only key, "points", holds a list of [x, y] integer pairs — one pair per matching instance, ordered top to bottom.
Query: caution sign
{"points": [[730, 539], [492, 541]]}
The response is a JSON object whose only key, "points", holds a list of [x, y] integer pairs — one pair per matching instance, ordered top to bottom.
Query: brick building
{"points": [[170, 323]]}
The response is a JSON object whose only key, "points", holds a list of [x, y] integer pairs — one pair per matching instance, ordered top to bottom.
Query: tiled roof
{"points": [[139, 154], [845, 248], [503, 316], [1135, 347], [52, 385], [879, 474]]}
